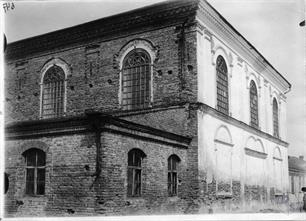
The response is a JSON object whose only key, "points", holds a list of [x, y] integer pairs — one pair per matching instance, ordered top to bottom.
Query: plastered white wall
{"points": [[240, 73], [247, 169]]}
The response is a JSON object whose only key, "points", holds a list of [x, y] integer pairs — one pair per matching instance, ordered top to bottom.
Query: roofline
{"points": [[171, 12], [121, 14], [104, 19], [238, 33]]}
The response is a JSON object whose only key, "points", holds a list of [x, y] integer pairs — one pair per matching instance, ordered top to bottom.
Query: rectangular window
{"points": [[92, 63], [35, 172]]}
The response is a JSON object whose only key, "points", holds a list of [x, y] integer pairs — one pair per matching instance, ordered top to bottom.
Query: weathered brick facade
{"points": [[87, 148]]}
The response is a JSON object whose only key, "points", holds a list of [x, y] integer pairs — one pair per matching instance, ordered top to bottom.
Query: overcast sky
{"points": [[271, 26]]}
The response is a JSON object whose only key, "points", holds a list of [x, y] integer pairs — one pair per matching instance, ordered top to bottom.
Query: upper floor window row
{"points": [[136, 80], [135, 85], [222, 86], [53, 92], [222, 94], [253, 105], [275, 118]]}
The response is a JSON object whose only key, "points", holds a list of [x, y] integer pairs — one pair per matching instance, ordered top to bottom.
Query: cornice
{"points": [[217, 24], [230, 120], [91, 122]]}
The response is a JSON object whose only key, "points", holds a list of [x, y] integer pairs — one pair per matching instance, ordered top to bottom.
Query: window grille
{"points": [[136, 80], [222, 86], [53, 92], [253, 105], [275, 119], [35, 171], [134, 172], [172, 175]]}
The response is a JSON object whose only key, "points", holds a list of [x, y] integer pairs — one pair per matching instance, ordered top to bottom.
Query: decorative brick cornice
{"points": [[91, 122]]}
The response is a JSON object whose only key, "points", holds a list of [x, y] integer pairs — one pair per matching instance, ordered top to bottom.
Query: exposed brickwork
{"points": [[98, 90], [80, 182], [71, 188]]}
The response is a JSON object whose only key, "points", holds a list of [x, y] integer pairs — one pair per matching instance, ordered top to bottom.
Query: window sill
{"points": [[224, 195], [34, 196], [173, 198], [134, 200]]}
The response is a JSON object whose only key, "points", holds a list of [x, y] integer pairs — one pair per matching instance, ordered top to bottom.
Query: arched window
{"points": [[136, 78], [222, 86], [53, 92], [253, 105], [275, 118], [135, 157], [35, 160], [173, 161]]}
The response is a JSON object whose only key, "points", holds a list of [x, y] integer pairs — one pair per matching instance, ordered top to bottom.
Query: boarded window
{"points": [[92, 63], [136, 78], [222, 86], [53, 92], [253, 105], [275, 119], [173, 161], [35, 171], [134, 172]]}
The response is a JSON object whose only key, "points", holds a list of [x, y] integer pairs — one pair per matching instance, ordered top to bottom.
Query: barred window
{"points": [[136, 78], [222, 86], [53, 91], [253, 104], [275, 119], [135, 157], [35, 160], [173, 161]]}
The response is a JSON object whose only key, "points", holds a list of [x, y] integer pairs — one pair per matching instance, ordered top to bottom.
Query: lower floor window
{"points": [[173, 161], [35, 171], [134, 172]]}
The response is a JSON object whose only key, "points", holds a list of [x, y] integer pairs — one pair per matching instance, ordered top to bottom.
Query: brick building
{"points": [[161, 109]]}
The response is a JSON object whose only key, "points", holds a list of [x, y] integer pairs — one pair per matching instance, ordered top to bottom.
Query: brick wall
{"points": [[97, 87], [68, 183], [71, 188]]}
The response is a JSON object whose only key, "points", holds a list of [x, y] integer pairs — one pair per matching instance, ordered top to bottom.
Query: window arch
{"points": [[136, 78], [222, 86], [53, 92], [253, 104], [275, 119], [35, 161], [173, 161], [134, 172]]}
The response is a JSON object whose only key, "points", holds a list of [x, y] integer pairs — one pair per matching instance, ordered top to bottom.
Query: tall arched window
{"points": [[136, 78], [222, 85], [53, 92], [253, 105], [275, 119], [135, 157], [35, 160], [173, 161]]}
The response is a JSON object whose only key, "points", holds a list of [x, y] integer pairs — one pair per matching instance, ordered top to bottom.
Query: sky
{"points": [[272, 26]]}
